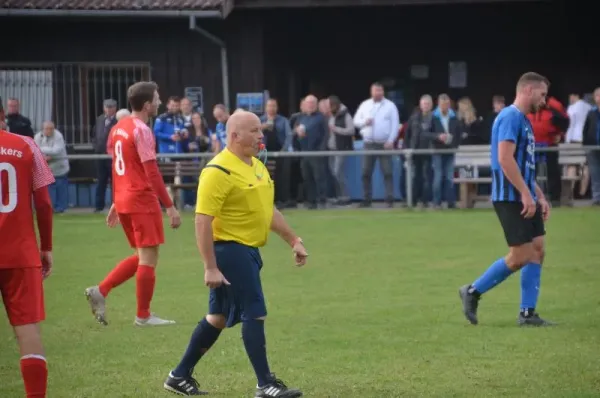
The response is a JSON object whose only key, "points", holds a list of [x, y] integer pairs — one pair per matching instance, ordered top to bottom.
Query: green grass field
{"points": [[375, 313]]}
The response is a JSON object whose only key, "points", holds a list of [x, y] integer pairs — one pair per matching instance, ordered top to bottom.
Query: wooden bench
{"points": [[571, 155], [476, 157], [471, 159], [175, 172]]}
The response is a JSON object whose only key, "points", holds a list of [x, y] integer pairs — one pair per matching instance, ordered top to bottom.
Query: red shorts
{"points": [[143, 229], [22, 291]]}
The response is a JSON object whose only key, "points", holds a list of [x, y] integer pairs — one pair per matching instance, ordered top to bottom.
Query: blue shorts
{"points": [[242, 300]]}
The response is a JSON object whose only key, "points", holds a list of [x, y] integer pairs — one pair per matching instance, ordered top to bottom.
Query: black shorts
{"points": [[519, 230]]}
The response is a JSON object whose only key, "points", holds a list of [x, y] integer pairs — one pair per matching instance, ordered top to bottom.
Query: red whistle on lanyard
{"points": [[261, 147]]}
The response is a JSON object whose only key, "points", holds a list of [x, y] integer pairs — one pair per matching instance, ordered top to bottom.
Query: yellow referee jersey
{"points": [[240, 198]]}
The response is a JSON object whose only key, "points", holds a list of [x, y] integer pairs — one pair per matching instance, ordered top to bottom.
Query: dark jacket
{"points": [[343, 120], [293, 123], [19, 124], [591, 128], [454, 129], [317, 131], [419, 132], [100, 133], [475, 133], [282, 137], [201, 138]]}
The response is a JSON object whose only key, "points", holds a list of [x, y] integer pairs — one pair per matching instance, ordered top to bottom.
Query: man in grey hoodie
{"points": [[341, 138], [52, 145]]}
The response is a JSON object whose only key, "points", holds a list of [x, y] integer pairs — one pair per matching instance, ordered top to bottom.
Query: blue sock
{"points": [[493, 276], [531, 276], [253, 334], [203, 337]]}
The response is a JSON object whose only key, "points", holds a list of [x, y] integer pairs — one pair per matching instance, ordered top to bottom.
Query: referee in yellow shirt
{"points": [[234, 215]]}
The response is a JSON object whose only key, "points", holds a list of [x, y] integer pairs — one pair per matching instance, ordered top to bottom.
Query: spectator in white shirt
{"points": [[577, 111], [379, 122], [52, 145]]}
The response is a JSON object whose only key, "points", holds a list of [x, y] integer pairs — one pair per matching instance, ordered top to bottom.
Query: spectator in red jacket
{"points": [[549, 126]]}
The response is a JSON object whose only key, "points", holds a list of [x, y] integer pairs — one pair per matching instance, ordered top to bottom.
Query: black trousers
{"points": [[279, 169], [104, 173], [554, 176], [295, 191]]}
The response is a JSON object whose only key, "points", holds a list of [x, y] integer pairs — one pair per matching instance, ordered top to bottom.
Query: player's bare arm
{"points": [[510, 168], [158, 185], [43, 213], [282, 228], [213, 278]]}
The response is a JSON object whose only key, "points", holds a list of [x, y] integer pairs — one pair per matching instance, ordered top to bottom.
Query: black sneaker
{"points": [[365, 204], [470, 302], [532, 319], [186, 386], [276, 388]]}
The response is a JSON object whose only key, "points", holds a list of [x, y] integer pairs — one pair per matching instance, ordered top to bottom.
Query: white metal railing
{"points": [[69, 94], [575, 152]]}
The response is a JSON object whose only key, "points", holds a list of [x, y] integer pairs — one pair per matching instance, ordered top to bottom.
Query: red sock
{"points": [[124, 271], [146, 279], [35, 375]]}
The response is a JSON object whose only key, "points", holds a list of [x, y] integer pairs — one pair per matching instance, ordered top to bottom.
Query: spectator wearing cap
{"points": [[104, 123], [52, 145]]}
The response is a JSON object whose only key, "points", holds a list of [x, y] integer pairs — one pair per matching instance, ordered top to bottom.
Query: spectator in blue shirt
{"points": [[169, 129], [219, 137]]}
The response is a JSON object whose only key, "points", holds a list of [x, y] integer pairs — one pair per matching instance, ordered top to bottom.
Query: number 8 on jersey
{"points": [[118, 159]]}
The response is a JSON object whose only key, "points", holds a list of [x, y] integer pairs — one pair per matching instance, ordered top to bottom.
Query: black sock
{"points": [[473, 291], [527, 312], [253, 334], [203, 337]]}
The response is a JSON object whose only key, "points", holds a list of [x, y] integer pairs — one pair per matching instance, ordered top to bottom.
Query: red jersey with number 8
{"points": [[131, 143], [23, 170]]}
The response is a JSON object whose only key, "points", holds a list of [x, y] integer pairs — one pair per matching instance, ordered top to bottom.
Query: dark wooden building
{"points": [[289, 47]]}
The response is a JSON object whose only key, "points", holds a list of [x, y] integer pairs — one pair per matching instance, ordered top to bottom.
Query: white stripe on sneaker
{"points": [[272, 391]]}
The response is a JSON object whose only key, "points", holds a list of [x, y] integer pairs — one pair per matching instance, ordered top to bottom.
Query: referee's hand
{"points": [[529, 206], [300, 253], [213, 278]]}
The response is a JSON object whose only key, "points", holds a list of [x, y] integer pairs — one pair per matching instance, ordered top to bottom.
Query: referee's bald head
{"points": [[244, 132]]}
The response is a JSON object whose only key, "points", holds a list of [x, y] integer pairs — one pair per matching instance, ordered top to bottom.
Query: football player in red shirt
{"points": [[24, 174], [137, 188]]}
